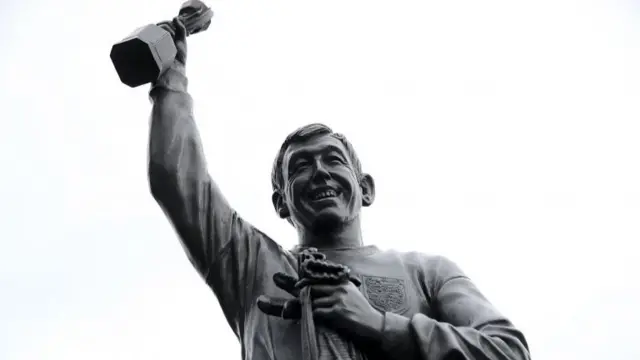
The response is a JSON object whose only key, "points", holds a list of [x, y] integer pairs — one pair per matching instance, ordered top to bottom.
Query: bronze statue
{"points": [[331, 297]]}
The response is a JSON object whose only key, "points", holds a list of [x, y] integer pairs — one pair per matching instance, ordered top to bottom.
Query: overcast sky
{"points": [[501, 134]]}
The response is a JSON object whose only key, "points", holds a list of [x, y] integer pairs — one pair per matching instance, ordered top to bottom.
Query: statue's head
{"points": [[318, 183]]}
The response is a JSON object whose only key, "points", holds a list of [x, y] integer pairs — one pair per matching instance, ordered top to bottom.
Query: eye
{"points": [[335, 160], [300, 165]]}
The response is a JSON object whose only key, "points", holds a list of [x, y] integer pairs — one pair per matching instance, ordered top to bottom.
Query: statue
{"points": [[331, 297]]}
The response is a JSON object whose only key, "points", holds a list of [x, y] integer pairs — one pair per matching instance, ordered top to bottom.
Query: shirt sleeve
{"points": [[221, 246], [468, 327]]}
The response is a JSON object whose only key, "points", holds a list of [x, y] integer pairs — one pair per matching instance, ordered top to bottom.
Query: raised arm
{"points": [[178, 175], [220, 245], [468, 327]]}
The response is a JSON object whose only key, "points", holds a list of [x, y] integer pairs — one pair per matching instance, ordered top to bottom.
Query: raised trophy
{"points": [[145, 54]]}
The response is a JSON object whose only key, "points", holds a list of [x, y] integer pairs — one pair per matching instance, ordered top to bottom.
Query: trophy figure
{"points": [[145, 54]]}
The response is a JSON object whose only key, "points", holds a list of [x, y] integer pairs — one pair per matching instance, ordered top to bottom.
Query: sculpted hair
{"points": [[301, 135]]}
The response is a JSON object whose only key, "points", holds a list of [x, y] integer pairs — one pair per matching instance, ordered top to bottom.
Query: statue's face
{"points": [[321, 190]]}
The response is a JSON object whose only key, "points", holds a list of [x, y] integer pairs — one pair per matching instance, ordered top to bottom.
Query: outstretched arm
{"points": [[220, 245], [468, 327]]}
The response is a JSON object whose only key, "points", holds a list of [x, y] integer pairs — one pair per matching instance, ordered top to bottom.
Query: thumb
{"points": [[286, 309]]}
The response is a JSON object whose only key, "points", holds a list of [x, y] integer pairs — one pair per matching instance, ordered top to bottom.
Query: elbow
{"points": [[160, 180], [503, 341], [519, 346], [514, 348], [521, 352]]}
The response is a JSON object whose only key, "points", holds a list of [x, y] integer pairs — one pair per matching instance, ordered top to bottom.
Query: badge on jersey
{"points": [[386, 293]]}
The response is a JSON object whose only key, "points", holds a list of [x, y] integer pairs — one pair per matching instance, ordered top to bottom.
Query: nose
{"points": [[320, 172]]}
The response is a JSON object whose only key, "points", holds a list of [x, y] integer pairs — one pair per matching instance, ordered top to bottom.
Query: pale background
{"points": [[504, 135]]}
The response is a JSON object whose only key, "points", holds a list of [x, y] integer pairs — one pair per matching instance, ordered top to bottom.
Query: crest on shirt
{"points": [[385, 293]]}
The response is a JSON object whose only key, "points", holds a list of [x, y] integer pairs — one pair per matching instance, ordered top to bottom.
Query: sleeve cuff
{"points": [[171, 80], [397, 339]]}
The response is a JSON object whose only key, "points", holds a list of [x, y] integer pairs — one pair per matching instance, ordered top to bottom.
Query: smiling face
{"points": [[321, 189]]}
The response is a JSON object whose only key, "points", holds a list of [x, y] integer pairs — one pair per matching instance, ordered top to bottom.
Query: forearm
{"points": [[175, 149], [463, 324], [427, 339]]}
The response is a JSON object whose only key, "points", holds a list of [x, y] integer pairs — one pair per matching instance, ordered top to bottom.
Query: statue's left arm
{"points": [[468, 326]]}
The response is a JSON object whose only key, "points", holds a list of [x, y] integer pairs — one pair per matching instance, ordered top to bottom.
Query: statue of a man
{"points": [[389, 305]]}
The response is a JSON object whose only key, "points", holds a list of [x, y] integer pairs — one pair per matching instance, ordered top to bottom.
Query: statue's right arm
{"points": [[220, 245]]}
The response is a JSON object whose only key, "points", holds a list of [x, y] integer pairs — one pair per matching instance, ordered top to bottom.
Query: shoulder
{"points": [[429, 262], [434, 269]]}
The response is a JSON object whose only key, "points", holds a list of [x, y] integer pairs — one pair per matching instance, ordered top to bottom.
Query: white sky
{"points": [[508, 133]]}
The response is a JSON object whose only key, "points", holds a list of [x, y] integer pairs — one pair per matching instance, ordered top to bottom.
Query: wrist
{"points": [[173, 79], [376, 327], [397, 339]]}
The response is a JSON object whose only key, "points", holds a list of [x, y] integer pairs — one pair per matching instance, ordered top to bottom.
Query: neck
{"points": [[348, 236]]}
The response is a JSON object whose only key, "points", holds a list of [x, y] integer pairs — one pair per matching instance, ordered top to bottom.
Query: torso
{"points": [[391, 281]]}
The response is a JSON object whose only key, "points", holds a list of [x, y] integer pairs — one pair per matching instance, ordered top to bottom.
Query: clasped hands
{"points": [[338, 305]]}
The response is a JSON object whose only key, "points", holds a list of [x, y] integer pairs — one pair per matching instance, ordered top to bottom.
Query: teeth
{"points": [[324, 194]]}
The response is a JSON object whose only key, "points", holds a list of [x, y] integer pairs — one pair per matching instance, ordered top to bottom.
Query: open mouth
{"points": [[323, 193]]}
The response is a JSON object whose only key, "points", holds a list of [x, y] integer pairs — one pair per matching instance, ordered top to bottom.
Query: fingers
{"points": [[168, 27], [176, 28], [180, 29], [180, 39], [319, 256], [321, 265], [286, 283], [302, 283], [318, 291], [324, 298], [323, 302], [270, 306], [287, 309], [292, 309], [323, 313]]}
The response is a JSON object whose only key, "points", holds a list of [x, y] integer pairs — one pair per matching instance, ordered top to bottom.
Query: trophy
{"points": [[145, 54]]}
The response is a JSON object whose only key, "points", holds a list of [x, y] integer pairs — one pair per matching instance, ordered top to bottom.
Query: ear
{"points": [[368, 188], [279, 205]]}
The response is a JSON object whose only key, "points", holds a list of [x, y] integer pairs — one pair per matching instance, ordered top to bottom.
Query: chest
{"points": [[387, 282], [391, 286]]}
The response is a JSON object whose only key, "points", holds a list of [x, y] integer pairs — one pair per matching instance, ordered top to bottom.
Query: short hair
{"points": [[306, 133]]}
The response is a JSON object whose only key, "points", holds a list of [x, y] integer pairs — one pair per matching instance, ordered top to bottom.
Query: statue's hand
{"points": [[179, 34], [314, 269], [338, 305], [284, 308], [291, 308], [344, 309]]}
